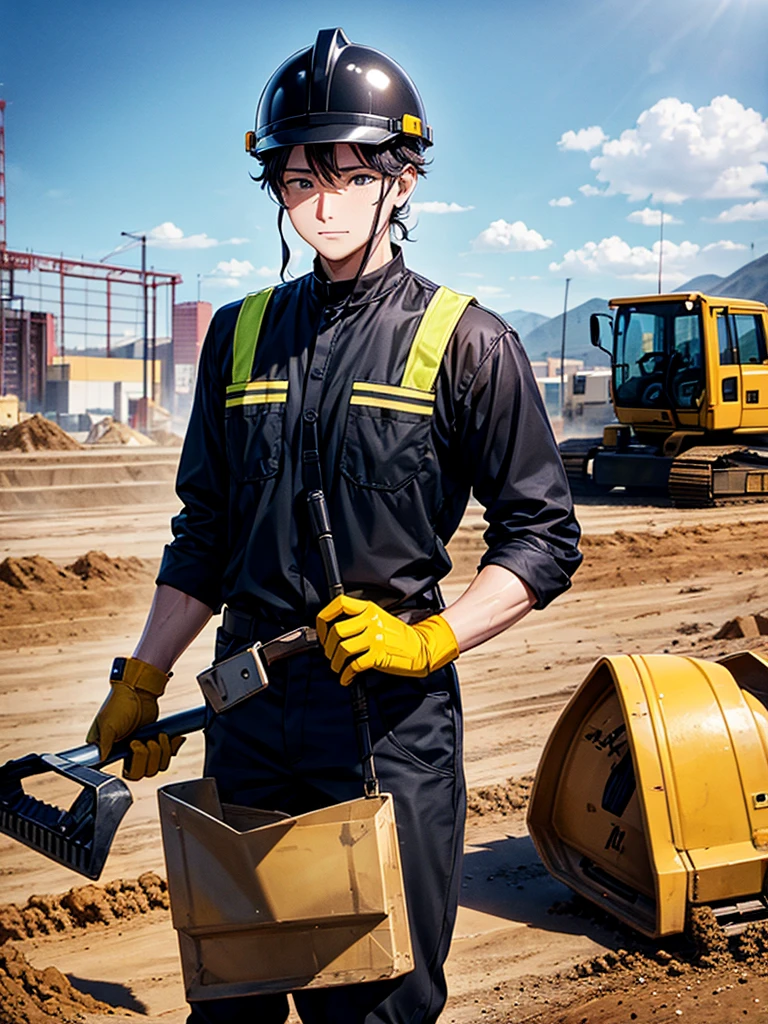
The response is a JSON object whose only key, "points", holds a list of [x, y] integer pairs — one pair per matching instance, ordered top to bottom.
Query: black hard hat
{"points": [[337, 91]]}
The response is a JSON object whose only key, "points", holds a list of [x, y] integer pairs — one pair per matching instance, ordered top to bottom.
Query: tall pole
{"points": [[2, 176], [143, 239], [661, 241], [2, 247], [146, 317], [154, 341], [562, 350]]}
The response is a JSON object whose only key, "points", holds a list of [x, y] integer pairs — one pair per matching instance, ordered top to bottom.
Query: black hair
{"points": [[390, 160]]}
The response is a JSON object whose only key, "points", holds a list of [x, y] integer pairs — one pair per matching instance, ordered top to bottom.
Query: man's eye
{"points": [[363, 179]]}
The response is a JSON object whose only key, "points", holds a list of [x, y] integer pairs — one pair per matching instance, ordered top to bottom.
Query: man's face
{"points": [[336, 219]]}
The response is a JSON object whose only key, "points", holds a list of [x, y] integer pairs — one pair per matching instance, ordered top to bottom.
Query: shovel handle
{"points": [[180, 724]]}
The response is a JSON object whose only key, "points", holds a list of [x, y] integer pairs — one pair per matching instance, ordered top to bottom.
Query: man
{"points": [[399, 399]]}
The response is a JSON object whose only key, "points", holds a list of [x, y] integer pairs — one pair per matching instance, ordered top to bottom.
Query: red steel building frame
{"points": [[149, 282]]}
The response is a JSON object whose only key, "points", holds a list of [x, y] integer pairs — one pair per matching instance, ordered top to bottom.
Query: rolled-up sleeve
{"points": [[511, 457], [194, 562]]}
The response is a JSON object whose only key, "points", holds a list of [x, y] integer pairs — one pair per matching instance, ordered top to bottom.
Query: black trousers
{"points": [[292, 748]]}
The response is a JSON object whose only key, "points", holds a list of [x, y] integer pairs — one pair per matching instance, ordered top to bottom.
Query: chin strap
{"points": [[286, 252]]}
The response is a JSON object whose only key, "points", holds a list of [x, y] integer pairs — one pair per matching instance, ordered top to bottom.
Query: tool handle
{"points": [[321, 527], [180, 724]]}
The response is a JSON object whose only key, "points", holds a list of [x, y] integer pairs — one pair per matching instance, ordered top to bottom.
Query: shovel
{"points": [[80, 836]]}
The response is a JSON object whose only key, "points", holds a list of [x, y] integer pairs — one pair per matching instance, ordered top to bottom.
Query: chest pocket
{"points": [[255, 409], [388, 430]]}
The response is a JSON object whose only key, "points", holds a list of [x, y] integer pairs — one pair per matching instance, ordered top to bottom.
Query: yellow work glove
{"points": [[359, 635], [132, 702], [147, 759]]}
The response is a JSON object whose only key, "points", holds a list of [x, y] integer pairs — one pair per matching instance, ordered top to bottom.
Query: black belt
{"points": [[246, 626]]}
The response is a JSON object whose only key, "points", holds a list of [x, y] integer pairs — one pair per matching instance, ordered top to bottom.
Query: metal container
{"points": [[263, 902]]}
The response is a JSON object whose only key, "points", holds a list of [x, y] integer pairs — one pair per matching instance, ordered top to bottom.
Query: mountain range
{"points": [[542, 336]]}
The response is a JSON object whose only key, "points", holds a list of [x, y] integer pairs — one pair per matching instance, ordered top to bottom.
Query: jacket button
{"points": [[317, 374], [310, 416]]}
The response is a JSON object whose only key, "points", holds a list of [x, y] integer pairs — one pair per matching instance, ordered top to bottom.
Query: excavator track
{"points": [[576, 453], [705, 477]]}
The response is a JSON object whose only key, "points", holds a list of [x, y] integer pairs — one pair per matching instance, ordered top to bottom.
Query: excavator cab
{"points": [[659, 361]]}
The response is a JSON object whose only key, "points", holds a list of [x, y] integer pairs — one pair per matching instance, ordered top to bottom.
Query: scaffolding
{"points": [[97, 308]]}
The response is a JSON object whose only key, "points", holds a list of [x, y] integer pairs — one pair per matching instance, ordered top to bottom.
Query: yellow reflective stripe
{"points": [[437, 325], [247, 331], [259, 385], [393, 389], [255, 400], [390, 403]]}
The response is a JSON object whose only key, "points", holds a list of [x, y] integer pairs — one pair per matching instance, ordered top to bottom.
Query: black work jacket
{"points": [[397, 483]]}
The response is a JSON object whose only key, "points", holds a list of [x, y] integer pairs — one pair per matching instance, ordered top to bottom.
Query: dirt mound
{"points": [[110, 431], [36, 434], [167, 438], [680, 553], [626, 558], [34, 572], [41, 574], [41, 602], [502, 798], [83, 906], [31, 996]]}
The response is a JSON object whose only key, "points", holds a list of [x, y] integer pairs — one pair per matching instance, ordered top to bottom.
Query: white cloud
{"points": [[584, 139], [678, 152], [590, 190], [562, 201], [439, 207], [745, 211], [651, 218], [168, 236], [502, 236], [724, 245], [616, 257], [232, 273], [469, 273], [489, 289]]}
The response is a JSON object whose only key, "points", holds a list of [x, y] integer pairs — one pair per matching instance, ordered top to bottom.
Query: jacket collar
{"points": [[368, 289]]}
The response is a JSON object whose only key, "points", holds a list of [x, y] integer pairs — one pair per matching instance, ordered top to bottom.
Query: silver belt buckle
{"points": [[234, 680]]}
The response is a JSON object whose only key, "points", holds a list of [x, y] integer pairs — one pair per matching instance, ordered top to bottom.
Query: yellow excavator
{"points": [[689, 388], [651, 796]]}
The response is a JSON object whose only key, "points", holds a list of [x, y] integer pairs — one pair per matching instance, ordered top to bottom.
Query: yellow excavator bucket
{"points": [[651, 796]]}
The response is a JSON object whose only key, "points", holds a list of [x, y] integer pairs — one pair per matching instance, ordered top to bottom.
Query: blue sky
{"points": [[131, 117]]}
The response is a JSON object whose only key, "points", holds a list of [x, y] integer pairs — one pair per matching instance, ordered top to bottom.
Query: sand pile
{"points": [[110, 431], [36, 434], [167, 438], [626, 558], [35, 573], [41, 602], [83, 906], [32, 996]]}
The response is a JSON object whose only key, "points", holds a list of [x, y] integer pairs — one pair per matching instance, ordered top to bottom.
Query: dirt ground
{"points": [[73, 591]]}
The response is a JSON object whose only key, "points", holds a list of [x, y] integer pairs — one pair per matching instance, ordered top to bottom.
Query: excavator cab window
{"points": [[741, 340], [658, 356]]}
